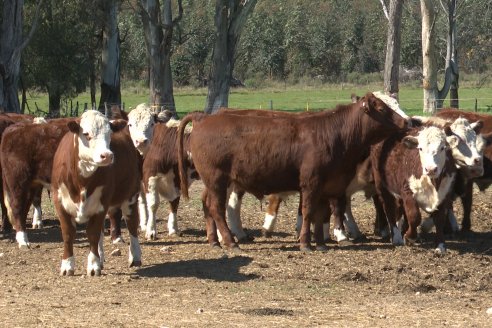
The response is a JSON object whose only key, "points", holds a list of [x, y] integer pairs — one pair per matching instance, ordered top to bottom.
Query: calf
{"points": [[316, 155], [93, 171], [415, 172]]}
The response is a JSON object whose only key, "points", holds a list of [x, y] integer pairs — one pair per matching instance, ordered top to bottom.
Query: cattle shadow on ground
{"points": [[222, 269]]}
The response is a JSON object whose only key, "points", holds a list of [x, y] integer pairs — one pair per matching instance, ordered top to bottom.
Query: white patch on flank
{"points": [[391, 103], [425, 193], [85, 209], [234, 215], [37, 221], [270, 221], [339, 235], [21, 238], [397, 239], [134, 253], [93, 265], [67, 266]]}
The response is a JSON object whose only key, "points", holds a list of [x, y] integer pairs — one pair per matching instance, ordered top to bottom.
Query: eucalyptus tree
{"points": [[230, 17], [158, 25], [12, 43]]}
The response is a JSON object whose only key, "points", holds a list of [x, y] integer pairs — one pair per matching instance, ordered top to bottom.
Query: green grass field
{"points": [[289, 98]]}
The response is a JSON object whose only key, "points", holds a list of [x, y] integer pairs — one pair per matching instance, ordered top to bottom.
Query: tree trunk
{"points": [[230, 17], [158, 29], [10, 54], [110, 61], [429, 61], [392, 63], [452, 63], [54, 98]]}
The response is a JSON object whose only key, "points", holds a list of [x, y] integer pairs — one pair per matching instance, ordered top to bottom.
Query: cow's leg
{"points": [[152, 199], [274, 201], [466, 201], [216, 203], [310, 203], [19, 207], [338, 207], [142, 211], [323, 212], [130, 213], [392, 213], [114, 215], [234, 216], [413, 216], [440, 216], [37, 217], [299, 218], [172, 220], [349, 222], [6, 225], [211, 228], [381, 228], [68, 229], [94, 260]]}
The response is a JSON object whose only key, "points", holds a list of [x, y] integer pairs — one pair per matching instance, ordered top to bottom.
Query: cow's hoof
{"points": [[38, 225], [266, 233], [175, 234], [151, 235], [246, 239], [360, 239], [118, 240], [410, 241], [345, 242], [25, 247], [305, 248], [321, 248], [440, 250], [135, 263], [94, 272], [67, 273]]}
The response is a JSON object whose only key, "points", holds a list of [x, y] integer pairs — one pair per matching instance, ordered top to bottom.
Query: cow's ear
{"points": [[355, 98], [365, 103], [118, 113], [163, 116], [416, 121], [117, 125], [477, 126], [74, 127], [447, 130], [487, 138], [453, 141], [410, 142]]}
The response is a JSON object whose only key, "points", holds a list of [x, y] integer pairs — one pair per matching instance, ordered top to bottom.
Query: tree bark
{"points": [[230, 17], [158, 30], [393, 43], [110, 59], [429, 61], [54, 99]]}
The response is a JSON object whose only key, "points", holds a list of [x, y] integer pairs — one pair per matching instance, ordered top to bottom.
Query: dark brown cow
{"points": [[316, 155], [94, 171], [408, 180], [485, 180]]}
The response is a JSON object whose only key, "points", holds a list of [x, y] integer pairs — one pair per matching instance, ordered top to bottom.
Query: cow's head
{"points": [[385, 110], [141, 123], [94, 135], [432, 145], [467, 149]]}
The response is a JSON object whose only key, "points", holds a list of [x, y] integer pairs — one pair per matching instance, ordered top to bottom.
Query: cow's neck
{"points": [[86, 169]]}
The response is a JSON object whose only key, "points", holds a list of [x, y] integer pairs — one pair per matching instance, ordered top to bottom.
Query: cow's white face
{"points": [[141, 123], [94, 137], [432, 145], [468, 150]]}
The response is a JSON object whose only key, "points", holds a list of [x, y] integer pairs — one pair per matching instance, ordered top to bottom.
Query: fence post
{"points": [[271, 104], [476, 105]]}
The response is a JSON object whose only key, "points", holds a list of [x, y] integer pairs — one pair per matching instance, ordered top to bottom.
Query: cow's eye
{"points": [[129, 125], [86, 135], [419, 148]]}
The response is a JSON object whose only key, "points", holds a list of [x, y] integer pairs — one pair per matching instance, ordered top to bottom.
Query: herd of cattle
{"points": [[97, 167]]}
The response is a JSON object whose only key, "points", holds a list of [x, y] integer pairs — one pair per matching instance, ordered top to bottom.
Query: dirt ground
{"points": [[268, 283]]}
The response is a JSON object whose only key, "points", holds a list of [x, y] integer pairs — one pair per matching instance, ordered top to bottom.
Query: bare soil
{"points": [[268, 283]]}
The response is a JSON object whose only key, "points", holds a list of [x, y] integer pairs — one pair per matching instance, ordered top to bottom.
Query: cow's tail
{"points": [[182, 162]]}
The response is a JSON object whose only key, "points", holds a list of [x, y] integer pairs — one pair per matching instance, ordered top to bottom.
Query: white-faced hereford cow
{"points": [[316, 155], [95, 170], [413, 172]]}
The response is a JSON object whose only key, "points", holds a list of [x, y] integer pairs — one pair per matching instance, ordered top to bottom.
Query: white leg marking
{"points": [[152, 198], [142, 211], [234, 216], [37, 222], [269, 223], [172, 224], [339, 235], [219, 236], [21, 237], [397, 239], [118, 240], [100, 248], [440, 249], [134, 253], [93, 265], [67, 266]]}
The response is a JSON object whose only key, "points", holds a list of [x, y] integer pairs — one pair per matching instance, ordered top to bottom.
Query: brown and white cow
{"points": [[265, 155], [95, 170], [415, 172]]}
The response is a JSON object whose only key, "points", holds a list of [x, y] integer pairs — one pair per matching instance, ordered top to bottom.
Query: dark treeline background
{"points": [[283, 40]]}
